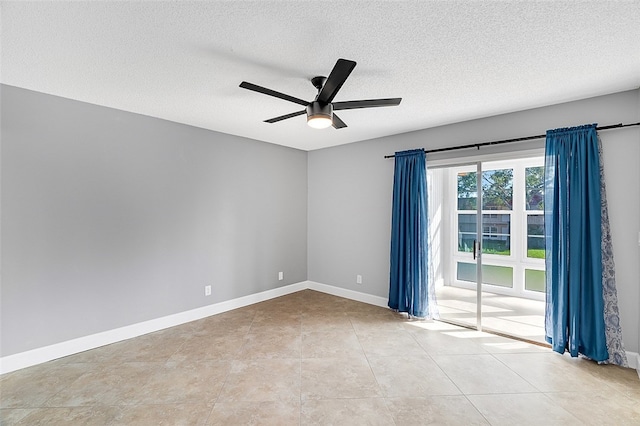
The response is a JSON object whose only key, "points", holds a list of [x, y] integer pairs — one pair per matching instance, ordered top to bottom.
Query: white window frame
{"points": [[517, 259]]}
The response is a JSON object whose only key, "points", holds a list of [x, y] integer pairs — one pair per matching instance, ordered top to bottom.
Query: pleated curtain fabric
{"points": [[409, 275], [575, 306]]}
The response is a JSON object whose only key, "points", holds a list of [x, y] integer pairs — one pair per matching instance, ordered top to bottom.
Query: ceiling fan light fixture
{"points": [[320, 110], [319, 116], [319, 121]]}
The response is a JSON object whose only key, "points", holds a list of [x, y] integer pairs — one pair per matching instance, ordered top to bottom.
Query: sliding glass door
{"points": [[455, 232], [492, 253]]}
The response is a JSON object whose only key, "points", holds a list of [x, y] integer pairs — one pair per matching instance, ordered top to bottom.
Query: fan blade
{"points": [[336, 79], [260, 89], [369, 103], [284, 117], [337, 123]]}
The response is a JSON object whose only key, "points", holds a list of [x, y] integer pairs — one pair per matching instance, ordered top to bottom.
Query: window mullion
{"points": [[517, 230]]}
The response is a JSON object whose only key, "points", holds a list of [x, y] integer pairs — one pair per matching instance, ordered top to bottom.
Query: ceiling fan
{"points": [[320, 111]]}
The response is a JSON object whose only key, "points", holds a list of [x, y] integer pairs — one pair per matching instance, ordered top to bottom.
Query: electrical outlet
{"points": [[280, 276], [358, 279], [207, 290]]}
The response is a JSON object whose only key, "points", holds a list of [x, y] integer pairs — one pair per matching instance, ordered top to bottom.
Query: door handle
{"points": [[475, 246]]}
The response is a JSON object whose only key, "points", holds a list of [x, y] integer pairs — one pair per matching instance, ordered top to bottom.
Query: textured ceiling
{"points": [[449, 61]]}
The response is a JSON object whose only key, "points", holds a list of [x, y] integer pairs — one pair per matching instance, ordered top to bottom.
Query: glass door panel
{"points": [[497, 213], [492, 275], [457, 295]]}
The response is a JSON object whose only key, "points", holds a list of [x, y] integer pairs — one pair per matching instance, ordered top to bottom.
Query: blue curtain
{"points": [[573, 220], [410, 289]]}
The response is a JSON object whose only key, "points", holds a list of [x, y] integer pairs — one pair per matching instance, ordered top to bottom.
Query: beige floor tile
{"points": [[315, 301], [291, 303], [354, 308], [328, 309], [277, 318], [325, 321], [374, 323], [220, 329], [472, 341], [448, 342], [389, 343], [271, 344], [330, 344], [214, 347], [147, 348], [314, 358], [552, 372], [481, 374], [411, 376], [325, 378], [262, 380], [623, 380], [185, 382], [114, 384], [31, 387], [634, 394], [599, 408], [522, 409], [435, 410], [368, 411], [276, 413], [164, 414], [11, 416], [71, 416]]}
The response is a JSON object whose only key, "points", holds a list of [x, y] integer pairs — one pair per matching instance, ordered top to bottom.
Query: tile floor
{"points": [[312, 358]]}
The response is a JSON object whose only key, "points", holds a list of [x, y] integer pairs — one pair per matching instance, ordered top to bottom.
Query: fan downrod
{"points": [[318, 82]]}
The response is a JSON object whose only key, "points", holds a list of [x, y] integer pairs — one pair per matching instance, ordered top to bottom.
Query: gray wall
{"points": [[350, 193], [111, 218]]}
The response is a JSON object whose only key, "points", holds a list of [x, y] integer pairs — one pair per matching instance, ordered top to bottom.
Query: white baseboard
{"points": [[348, 294], [81, 344], [633, 359]]}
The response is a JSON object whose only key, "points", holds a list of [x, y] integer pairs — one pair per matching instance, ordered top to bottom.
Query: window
{"points": [[534, 188], [491, 232], [513, 243]]}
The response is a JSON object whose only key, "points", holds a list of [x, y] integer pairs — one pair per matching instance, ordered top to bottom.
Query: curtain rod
{"points": [[526, 138]]}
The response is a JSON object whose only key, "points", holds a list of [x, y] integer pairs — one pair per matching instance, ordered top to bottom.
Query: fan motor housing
{"points": [[316, 108]]}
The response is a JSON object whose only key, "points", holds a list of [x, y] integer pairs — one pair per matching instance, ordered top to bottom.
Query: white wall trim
{"points": [[348, 294], [81, 344], [633, 359]]}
